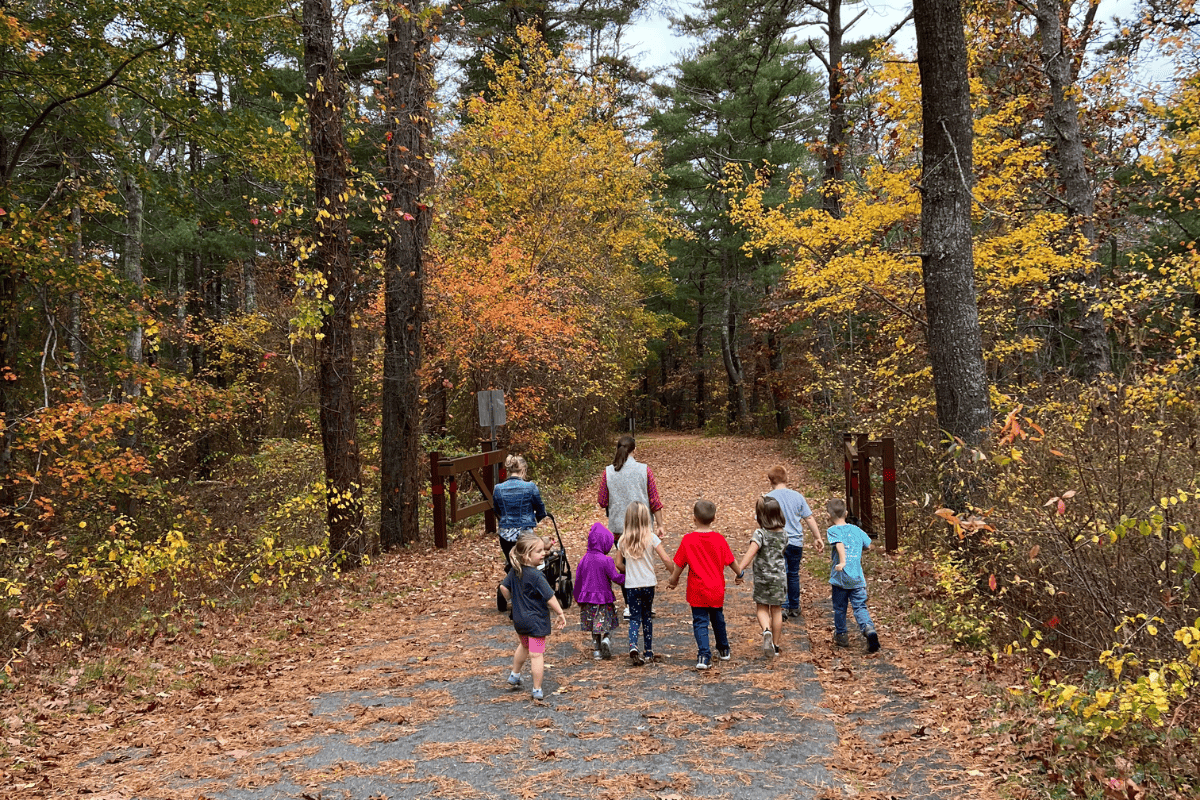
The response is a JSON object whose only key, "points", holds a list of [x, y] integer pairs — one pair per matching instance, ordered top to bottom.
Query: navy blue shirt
{"points": [[518, 504], [530, 594]]}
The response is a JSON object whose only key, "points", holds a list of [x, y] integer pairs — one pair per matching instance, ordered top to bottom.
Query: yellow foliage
{"points": [[548, 242]]}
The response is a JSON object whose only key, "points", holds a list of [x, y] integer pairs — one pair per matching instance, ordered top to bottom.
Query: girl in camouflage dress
{"points": [[770, 571]]}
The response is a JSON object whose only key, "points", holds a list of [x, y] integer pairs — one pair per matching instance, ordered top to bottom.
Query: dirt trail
{"points": [[393, 687]]}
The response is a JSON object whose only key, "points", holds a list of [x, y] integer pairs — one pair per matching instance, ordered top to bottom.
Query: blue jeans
{"points": [[792, 554], [640, 599], [858, 601], [700, 619]]}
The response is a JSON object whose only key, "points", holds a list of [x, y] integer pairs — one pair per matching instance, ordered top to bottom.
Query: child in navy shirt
{"points": [[532, 601]]}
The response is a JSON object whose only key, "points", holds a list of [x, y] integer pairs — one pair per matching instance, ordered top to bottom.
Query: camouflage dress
{"points": [[770, 569]]}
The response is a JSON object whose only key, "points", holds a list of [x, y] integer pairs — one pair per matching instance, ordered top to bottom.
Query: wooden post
{"points": [[489, 477], [438, 489], [851, 494], [865, 515], [891, 534]]}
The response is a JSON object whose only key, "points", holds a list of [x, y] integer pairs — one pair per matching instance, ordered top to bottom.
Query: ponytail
{"points": [[625, 446]]}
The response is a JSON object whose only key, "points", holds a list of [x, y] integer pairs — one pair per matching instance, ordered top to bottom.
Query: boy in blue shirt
{"points": [[846, 579]]}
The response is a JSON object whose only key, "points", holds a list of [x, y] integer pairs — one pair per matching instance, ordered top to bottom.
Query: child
{"points": [[797, 516], [638, 543], [706, 554], [770, 571], [594, 577], [846, 577], [532, 599]]}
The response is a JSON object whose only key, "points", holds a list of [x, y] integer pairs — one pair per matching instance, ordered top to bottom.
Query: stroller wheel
{"points": [[501, 603]]}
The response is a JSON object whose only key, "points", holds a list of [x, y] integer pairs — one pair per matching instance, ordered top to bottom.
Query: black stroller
{"points": [[557, 569]]}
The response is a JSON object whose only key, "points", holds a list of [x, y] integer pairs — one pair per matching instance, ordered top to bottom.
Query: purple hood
{"points": [[596, 571]]}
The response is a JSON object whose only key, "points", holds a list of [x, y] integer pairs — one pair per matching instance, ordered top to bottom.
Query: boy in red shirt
{"points": [[706, 553]]}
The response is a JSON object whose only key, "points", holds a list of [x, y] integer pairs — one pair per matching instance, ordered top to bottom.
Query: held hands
{"points": [[671, 584]]}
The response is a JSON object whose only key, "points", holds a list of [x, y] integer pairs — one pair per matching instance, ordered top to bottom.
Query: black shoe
{"points": [[872, 640], [723, 654], [635, 657]]}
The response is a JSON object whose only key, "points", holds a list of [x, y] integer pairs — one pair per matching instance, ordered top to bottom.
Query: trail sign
{"points": [[491, 408]]}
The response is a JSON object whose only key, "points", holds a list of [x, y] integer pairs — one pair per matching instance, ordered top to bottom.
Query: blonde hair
{"points": [[515, 463], [636, 538], [523, 547]]}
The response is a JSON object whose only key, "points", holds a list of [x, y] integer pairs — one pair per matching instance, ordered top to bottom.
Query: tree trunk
{"points": [[1063, 120], [835, 141], [409, 178], [75, 323], [953, 333], [9, 376], [701, 376], [777, 383], [738, 412], [339, 434]]}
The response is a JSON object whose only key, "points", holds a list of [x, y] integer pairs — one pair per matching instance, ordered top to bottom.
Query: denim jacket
{"points": [[518, 504]]}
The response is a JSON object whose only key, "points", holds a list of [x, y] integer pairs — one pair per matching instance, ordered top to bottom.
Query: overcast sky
{"points": [[657, 46]]}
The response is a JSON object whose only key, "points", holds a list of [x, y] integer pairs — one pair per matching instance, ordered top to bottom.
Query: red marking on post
{"points": [[889, 476], [439, 489]]}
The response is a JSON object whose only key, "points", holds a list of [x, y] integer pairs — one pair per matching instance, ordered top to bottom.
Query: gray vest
{"points": [[625, 487]]}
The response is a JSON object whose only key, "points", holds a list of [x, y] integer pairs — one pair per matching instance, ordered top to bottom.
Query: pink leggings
{"points": [[534, 644]]}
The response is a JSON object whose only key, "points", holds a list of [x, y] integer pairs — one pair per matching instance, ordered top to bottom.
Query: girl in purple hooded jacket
{"points": [[594, 576]]}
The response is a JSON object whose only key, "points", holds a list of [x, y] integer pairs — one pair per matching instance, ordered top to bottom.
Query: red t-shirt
{"points": [[705, 554]]}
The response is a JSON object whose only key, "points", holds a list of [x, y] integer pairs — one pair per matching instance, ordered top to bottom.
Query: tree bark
{"points": [[1063, 120], [835, 141], [409, 178], [953, 333], [777, 383], [738, 411], [339, 434]]}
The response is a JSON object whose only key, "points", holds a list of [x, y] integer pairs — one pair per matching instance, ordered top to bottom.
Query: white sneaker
{"points": [[626, 614], [768, 644], [605, 648]]}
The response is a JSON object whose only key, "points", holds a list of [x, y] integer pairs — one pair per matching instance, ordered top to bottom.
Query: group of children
{"points": [[773, 554]]}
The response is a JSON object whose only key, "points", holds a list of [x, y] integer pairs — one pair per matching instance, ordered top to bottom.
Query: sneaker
{"points": [[653, 613], [625, 614], [841, 639], [872, 640], [768, 643], [605, 648], [777, 650], [596, 654], [724, 654], [648, 656], [636, 657], [703, 662], [514, 679], [537, 694]]}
